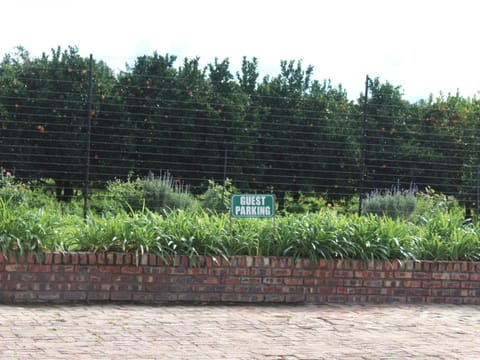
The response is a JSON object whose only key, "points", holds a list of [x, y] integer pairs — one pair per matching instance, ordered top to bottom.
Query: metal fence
{"points": [[76, 136]]}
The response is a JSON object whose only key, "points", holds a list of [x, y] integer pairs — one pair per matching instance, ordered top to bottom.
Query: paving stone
{"points": [[240, 332]]}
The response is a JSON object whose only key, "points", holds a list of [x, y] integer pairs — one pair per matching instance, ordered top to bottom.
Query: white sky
{"points": [[425, 46]]}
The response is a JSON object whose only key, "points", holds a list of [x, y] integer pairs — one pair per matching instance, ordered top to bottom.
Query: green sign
{"points": [[253, 205]]}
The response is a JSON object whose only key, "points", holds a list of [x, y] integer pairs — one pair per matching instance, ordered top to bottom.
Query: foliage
{"points": [[44, 101], [163, 192], [217, 197], [304, 203], [395, 203], [439, 233]]}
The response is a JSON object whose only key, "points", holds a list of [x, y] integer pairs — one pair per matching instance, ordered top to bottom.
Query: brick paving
{"points": [[240, 332]]}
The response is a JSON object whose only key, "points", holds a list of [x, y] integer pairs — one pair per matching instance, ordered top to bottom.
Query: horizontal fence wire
{"points": [[274, 136]]}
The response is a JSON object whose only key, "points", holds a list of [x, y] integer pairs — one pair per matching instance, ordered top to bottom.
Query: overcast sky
{"points": [[425, 46]]}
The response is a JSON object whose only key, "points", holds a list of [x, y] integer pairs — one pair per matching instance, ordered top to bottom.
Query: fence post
{"points": [[89, 134], [363, 148], [224, 176], [478, 193]]}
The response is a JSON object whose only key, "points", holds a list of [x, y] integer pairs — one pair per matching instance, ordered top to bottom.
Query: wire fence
{"points": [[77, 134]]}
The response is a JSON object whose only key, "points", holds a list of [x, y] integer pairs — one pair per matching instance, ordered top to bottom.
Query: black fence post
{"points": [[89, 134], [224, 177], [361, 188], [478, 193]]}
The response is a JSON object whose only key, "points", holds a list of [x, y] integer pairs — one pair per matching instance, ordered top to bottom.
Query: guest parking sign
{"points": [[253, 206]]}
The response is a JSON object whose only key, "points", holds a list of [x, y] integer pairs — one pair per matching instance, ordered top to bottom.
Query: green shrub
{"points": [[11, 190], [166, 192], [154, 193], [217, 197], [304, 203], [394, 203], [430, 203]]}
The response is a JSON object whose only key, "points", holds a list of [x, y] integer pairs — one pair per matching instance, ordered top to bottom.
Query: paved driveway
{"points": [[239, 332]]}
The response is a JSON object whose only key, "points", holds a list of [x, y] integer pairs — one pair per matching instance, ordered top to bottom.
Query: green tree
{"points": [[45, 100], [388, 117]]}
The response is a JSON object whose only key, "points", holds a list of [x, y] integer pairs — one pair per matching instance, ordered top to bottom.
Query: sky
{"points": [[424, 46]]}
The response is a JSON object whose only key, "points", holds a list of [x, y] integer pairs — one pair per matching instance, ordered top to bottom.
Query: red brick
{"points": [[110, 258], [119, 258], [48, 259], [67, 259], [82, 259], [92, 259], [101, 259], [183, 261], [260, 261], [304, 263], [323, 264], [15, 268], [40, 268], [109, 269], [131, 270], [176, 270], [200, 271], [215, 271], [239, 271], [261, 272], [281, 272], [303, 272], [323, 273], [343, 274], [363, 274], [384, 274], [402, 274], [422, 275], [440, 276], [459, 276], [475, 277], [211, 280], [250, 280], [272, 280], [293, 281], [314, 282], [334, 282], [352, 282], [373, 283], [435, 284], [451, 284], [470, 285], [346, 291], [418, 292], [75, 295], [97, 296], [275, 298], [294, 298]]}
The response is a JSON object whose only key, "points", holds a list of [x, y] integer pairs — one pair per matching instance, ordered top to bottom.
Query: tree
{"points": [[45, 103], [387, 121]]}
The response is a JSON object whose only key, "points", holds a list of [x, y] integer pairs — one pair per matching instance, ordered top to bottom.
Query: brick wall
{"points": [[74, 277]]}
